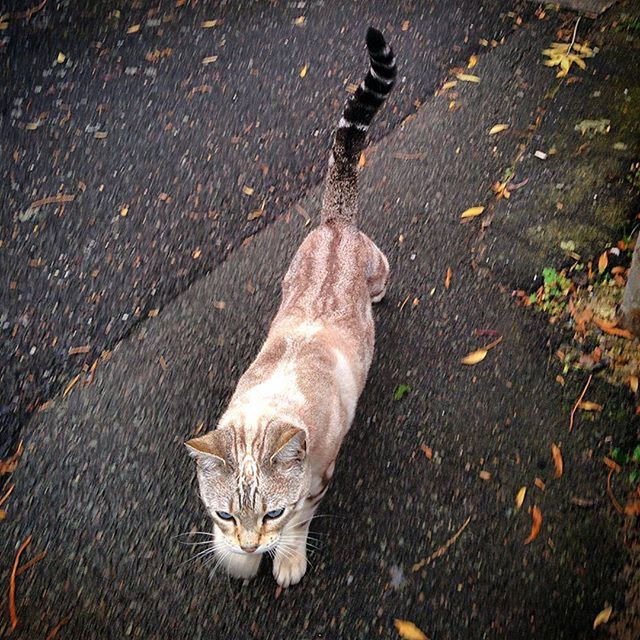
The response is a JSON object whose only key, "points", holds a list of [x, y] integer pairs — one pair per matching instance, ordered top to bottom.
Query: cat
{"points": [[267, 465]]}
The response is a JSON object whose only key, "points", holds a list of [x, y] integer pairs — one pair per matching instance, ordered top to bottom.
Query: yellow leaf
{"points": [[299, 21], [208, 24], [405, 25], [134, 28], [61, 58], [209, 59], [473, 61], [579, 61], [303, 71], [466, 77], [449, 85], [497, 128], [362, 160], [248, 191], [124, 211], [472, 212], [254, 215], [196, 254], [603, 261], [474, 357], [633, 383], [587, 405], [520, 497], [602, 617], [408, 630]]}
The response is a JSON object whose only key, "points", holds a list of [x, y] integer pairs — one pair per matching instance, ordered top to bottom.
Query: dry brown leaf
{"points": [[299, 21], [208, 24], [405, 25], [134, 28], [209, 59], [473, 61], [303, 71], [467, 77], [449, 85], [497, 128], [362, 160], [248, 191], [471, 212], [196, 254], [603, 261], [447, 278], [611, 329], [474, 357], [633, 383], [587, 405], [428, 451], [557, 459], [485, 475], [539, 483], [522, 492], [632, 508], [536, 524], [602, 617], [408, 630]]}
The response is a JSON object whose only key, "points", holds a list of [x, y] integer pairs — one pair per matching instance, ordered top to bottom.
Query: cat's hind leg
{"points": [[377, 270]]}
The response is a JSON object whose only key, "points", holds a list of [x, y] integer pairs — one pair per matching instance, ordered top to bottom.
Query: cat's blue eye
{"points": [[276, 513], [223, 515]]}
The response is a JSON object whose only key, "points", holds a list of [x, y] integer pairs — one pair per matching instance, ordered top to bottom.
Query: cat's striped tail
{"points": [[341, 190]]}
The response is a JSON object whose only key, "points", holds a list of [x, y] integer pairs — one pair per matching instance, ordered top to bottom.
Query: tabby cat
{"points": [[265, 468]]}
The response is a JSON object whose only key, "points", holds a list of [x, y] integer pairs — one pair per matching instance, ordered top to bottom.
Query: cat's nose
{"points": [[248, 549]]}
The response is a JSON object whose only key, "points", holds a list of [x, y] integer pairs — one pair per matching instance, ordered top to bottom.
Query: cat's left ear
{"points": [[288, 444]]}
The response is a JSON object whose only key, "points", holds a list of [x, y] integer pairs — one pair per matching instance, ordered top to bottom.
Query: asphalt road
{"points": [[165, 157]]}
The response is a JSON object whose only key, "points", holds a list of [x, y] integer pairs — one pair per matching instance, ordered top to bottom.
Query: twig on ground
{"points": [[29, 13], [575, 33], [51, 200], [578, 401], [616, 504], [441, 550], [27, 565], [12, 584], [54, 632]]}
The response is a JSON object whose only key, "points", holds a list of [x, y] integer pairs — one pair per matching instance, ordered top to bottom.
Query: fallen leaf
{"points": [[299, 21], [208, 24], [405, 26], [134, 28], [61, 58], [209, 59], [473, 61], [303, 71], [467, 77], [449, 85], [497, 128], [362, 160], [501, 189], [248, 191], [124, 211], [471, 212], [196, 254], [603, 261], [447, 278], [219, 304], [612, 329], [74, 351], [474, 357], [72, 383], [633, 383], [401, 391], [587, 405], [428, 452], [557, 459], [10, 464], [612, 464], [485, 475], [539, 483], [522, 492], [632, 508], [536, 524], [602, 617], [408, 630]]}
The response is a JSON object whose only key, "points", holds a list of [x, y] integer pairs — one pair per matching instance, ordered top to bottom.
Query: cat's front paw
{"points": [[241, 566], [289, 569]]}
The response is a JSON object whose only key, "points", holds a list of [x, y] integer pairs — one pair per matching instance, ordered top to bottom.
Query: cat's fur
{"points": [[276, 445]]}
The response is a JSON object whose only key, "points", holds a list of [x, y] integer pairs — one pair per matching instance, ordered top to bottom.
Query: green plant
{"points": [[555, 289], [630, 460]]}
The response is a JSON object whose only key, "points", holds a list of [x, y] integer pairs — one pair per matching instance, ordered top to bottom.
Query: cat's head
{"points": [[251, 489]]}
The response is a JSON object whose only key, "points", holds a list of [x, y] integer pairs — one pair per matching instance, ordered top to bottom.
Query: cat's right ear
{"points": [[210, 451]]}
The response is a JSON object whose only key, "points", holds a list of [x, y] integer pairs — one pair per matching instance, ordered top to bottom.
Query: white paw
{"points": [[379, 296], [241, 566], [288, 570]]}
